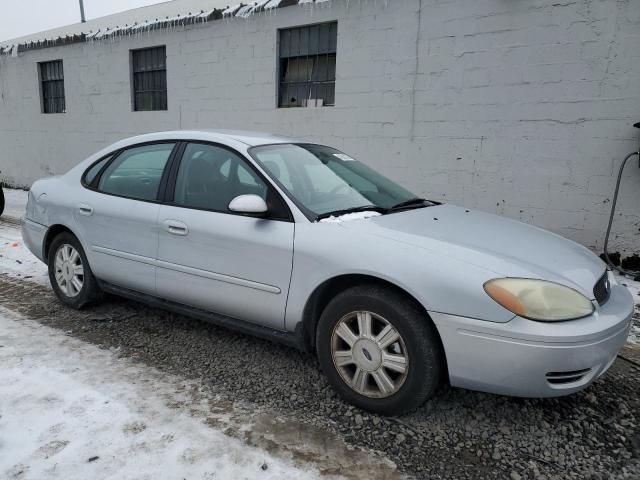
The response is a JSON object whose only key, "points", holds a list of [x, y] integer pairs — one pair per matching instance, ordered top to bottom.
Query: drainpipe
{"points": [[82, 19]]}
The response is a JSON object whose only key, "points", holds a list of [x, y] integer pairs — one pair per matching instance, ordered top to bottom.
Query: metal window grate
{"points": [[308, 65], [149, 67], [52, 80]]}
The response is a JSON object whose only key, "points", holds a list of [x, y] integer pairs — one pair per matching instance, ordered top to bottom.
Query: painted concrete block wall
{"points": [[524, 109]]}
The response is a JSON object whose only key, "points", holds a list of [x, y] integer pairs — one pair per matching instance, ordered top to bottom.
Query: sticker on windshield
{"points": [[344, 157]]}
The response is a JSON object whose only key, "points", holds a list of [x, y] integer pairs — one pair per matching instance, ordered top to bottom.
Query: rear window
{"points": [[136, 172]]}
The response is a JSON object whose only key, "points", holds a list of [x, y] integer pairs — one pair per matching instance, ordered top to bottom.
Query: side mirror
{"points": [[248, 204]]}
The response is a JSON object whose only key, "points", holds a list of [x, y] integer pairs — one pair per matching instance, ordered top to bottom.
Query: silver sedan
{"points": [[303, 244]]}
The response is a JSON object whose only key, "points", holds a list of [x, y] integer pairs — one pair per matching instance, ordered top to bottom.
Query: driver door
{"points": [[214, 259]]}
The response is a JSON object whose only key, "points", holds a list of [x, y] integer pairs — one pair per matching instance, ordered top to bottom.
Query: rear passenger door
{"points": [[118, 214], [214, 259]]}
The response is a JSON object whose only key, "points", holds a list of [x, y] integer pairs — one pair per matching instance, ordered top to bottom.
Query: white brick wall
{"points": [[523, 108]]}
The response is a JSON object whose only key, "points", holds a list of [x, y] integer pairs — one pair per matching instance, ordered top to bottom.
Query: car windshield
{"points": [[322, 180]]}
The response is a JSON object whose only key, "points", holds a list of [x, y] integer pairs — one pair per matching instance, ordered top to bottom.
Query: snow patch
{"points": [[272, 4], [230, 11], [15, 203], [350, 216], [15, 258], [634, 288], [72, 410]]}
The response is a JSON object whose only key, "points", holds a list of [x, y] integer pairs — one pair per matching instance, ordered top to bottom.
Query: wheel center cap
{"points": [[67, 271], [367, 354]]}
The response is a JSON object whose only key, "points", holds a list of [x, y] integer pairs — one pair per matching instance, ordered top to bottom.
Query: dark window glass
{"points": [[308, 65], [149, 67], [52, 86], [136, 172], [90, 175], [210, 177]]}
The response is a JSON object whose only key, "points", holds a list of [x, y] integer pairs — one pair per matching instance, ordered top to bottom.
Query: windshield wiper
{"points": [[411, 203], [337, 213]]}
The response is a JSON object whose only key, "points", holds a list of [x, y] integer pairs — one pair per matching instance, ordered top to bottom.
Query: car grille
{"points": [[602, 289]]}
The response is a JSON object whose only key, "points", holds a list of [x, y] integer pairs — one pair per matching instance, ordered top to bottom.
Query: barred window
{"points": [[308, 65], [149, 71], [52, 89]]}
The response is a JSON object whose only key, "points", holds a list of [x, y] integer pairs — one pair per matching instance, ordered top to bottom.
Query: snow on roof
{"points": [[153, 17]]}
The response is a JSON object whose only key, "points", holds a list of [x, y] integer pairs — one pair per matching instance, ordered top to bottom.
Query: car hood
{"points": [[503, 246]]}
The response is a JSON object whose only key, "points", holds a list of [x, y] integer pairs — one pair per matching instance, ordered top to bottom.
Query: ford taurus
{"points": [[302, 243]]}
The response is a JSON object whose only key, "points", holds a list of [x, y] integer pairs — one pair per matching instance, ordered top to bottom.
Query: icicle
{"points": [[272, 4]]}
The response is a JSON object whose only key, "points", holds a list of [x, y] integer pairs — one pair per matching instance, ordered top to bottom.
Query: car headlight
{"points": [[539, 299]]}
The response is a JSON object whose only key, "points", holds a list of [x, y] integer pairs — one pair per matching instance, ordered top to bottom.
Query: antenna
{"points": [[82, 19]]}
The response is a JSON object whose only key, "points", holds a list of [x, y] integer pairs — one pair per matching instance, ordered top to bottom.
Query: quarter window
{"points": [[308, 65], [149, 72], [52, 87], [136, 172], [91, 174], [209, 177]]}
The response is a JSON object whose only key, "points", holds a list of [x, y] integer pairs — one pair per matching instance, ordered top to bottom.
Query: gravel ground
{"points": [[458, 434]]}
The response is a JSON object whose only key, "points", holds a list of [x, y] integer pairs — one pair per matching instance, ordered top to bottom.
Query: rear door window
{"points": [[136, 172]]}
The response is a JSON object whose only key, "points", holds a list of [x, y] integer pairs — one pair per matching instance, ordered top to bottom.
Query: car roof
{"points": [[247, 137]]}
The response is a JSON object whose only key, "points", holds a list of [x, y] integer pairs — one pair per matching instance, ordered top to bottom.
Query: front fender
{"points": [[323, 251]]}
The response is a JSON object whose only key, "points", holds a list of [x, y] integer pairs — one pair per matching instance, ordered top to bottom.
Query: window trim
{"points": [[279, 61], [132, 74], [41, 87], [93, 186], [169, 194]]}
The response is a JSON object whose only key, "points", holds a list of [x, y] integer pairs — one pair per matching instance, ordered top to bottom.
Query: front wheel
{"points": [[1, 200], [69, 272], [379, 350]]}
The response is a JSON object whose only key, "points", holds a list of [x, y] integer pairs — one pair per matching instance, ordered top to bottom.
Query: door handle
{"points": [[85, 209], [175, 228]]}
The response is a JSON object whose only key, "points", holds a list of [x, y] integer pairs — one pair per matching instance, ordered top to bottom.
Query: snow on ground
{"points": [[15, 203], [15, 259], [634, 288], [70, 410]]}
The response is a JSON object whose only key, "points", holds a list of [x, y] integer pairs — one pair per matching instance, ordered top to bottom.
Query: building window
{"points": [[308, 65], [149, 71], [52, 87]]}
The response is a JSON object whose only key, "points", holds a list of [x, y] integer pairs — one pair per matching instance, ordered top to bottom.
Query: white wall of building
{"points": [[523, 108]]}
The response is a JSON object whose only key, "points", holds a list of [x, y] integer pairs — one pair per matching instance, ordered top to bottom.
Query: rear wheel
{"points": [[1, 200], [69, 272], [379, 350]]}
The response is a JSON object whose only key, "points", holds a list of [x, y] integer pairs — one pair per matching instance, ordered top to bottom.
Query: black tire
{"points": [[1, 200], [90, 291], [419, 336]]}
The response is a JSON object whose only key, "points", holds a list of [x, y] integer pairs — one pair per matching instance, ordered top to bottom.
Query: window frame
{"points": [[279, 59], [132, 77], [41, 83], [93, 186], [169, 194]]}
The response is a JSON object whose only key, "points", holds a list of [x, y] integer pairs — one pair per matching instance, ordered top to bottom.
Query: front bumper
{"points": [[535, 359]]}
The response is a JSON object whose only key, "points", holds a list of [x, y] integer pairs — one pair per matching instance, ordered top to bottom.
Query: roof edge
{"points": [[240, 10]]}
